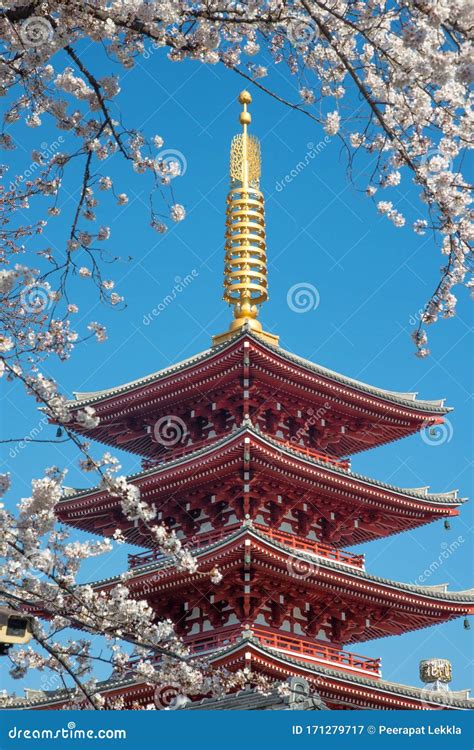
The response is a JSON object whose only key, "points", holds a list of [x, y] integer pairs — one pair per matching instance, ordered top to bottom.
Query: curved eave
{"points": [[93, 397], [408, 400], [446, 498], [429, 501], [209, 554], [330, 681], [378, 686]]}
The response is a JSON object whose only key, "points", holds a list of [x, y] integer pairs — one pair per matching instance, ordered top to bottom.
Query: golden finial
{"points": [[245, 270]]}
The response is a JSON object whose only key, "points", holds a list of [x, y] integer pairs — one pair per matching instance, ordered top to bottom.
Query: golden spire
{"points": [[245, 270]]}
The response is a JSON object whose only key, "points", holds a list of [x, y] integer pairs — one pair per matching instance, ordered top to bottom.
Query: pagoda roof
{"points": [[402, 398], [420, 493], [441, 501], [436, 592], [397, 607], [330, 682], [248, 699], [251, 699], [455, 699]]}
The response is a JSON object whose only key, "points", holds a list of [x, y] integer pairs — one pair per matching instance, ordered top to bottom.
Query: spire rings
{"points": [[245, 275]]}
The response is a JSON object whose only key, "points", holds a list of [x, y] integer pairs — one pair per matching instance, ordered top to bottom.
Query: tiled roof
{"points": [[406, 399], [420, 494], [432, 592], [303, 699], [453, 699]]}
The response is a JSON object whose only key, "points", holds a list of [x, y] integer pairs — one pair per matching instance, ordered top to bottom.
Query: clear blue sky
{"points": [[372, 280]]}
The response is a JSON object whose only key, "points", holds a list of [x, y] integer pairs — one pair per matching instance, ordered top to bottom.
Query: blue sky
{"points": [[372, 280]]}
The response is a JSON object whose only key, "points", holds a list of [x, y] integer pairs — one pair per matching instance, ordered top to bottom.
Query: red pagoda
{"points": [[245, 456]]}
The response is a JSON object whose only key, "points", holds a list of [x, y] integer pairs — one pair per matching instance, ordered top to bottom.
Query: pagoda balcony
{"points": [[183, 449], [338, 463], [283, 537], [298, 647]]}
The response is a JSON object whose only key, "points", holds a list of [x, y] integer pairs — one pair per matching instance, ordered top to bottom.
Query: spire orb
{"points": [[244, 97]]}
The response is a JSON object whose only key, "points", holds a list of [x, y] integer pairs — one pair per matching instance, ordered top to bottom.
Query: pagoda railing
{"points": [[181, 449], [170, 453], [340, 463], [289, 540], [195, 542], [313, 547], [213, 640], [296, 646], [317, 651]]}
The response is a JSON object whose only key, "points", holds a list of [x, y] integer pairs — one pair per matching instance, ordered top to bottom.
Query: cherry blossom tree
{"points": [[390, 78]]}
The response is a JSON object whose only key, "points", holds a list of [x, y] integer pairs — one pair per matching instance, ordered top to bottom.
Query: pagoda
{"points": [[245, 453]]}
